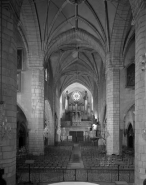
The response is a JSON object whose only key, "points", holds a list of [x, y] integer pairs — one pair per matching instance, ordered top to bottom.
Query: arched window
{"points": [[131, 75]]}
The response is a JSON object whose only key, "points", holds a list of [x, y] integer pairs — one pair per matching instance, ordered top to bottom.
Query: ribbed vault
{"points": [[75, 36]]}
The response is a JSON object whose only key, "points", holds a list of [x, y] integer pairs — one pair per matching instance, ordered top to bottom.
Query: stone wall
{"points": [[140, 102], [8, 144]]}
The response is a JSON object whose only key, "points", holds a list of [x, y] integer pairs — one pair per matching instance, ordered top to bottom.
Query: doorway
{"points": [[77, 136], [130, 137]]}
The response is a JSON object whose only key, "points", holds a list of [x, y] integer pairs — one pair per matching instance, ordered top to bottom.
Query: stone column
{"points": [[9, 63], [140, 97], [113, 110], [36, 140]]}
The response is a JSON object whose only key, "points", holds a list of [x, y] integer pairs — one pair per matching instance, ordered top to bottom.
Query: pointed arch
{"points": [[31, 29], [129, 117]]}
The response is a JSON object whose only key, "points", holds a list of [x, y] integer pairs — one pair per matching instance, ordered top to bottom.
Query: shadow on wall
{"points": [[129, 126], [22, 132], [130, 137], [2, 181]]}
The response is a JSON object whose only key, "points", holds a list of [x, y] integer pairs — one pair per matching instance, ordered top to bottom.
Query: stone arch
{"points": [[136, 5], [128, 11], [123, 17], [30, 28], [76, 34], [23, 36], [130, 39], [77, 81], [24, 111], [129, 116], [49, 122]]}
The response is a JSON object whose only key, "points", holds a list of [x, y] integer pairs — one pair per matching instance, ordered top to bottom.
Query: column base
{"points": [[36, 143], [11, 180]]}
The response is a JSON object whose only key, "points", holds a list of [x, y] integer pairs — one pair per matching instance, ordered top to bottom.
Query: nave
{"points": [[72, 70], [76, 162]]}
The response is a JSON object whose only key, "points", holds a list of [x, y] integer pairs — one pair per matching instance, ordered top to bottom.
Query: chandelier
{"points": [[5, 129]]}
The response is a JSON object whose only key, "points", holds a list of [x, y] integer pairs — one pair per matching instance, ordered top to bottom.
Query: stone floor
{"points": [[76, 160], [76, 163]]}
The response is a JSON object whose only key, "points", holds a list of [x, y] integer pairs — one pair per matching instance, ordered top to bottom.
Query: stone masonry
{"points": [[112, 95], [140, 99], [36, 140], [8, 143]]}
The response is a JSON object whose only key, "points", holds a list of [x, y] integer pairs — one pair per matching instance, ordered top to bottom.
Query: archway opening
{"points": [[21, 129], [22, 136], [130, 137]]}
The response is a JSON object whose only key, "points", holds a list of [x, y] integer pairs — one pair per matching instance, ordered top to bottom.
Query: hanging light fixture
{"points": [[5, 129]]}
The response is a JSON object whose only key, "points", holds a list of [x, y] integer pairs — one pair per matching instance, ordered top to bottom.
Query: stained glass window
{"points": [[76, 96]]}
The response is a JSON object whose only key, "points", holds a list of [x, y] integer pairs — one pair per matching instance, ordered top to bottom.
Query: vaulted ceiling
{"points": [[75, 36]]}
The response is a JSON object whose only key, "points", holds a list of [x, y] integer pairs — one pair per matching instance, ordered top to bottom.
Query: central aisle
{"points": [[76, 160]]}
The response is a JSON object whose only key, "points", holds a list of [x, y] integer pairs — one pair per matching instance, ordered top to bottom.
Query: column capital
{"points": [[35, 60], [113, 61], [36, 67], [112, 67]]}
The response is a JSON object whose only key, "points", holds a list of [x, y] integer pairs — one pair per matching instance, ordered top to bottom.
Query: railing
{"points": [[81, 124], [44, 175]]}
